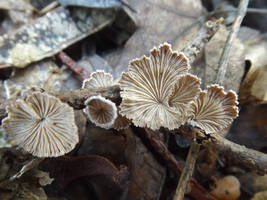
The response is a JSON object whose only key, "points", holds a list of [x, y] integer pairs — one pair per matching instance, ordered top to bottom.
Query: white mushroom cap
{"points": [[98, 79], [148, 85], [186, 89], [213, 110], [101, 111], [42, 125]]}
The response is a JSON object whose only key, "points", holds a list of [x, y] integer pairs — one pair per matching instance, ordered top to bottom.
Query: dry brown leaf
{"points": [[157, 21], [47, 35], [235, 68], [44, 74], [254, 86]]}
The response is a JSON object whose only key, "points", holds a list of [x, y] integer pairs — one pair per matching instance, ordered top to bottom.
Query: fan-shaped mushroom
{"points": [[98, 79], [148, 85], [213, 110], [42, 125]]}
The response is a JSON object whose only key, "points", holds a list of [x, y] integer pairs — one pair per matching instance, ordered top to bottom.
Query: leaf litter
{"points": [[122, 164]]}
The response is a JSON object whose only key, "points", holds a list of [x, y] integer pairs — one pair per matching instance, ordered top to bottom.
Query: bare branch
{"points": [[242, 9], [249, 158], [187, 171]]}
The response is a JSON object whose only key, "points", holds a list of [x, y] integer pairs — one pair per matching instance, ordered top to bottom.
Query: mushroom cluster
{"points": [[157, 91], [99, 110]]}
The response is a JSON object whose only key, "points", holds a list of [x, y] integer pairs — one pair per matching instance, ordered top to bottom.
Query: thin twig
{"points": [[242, 8], [249, 10], [257, 10], [204, 35], [191, 52], [70, 63], [77, 97], [249, 158], [187, 171], [197, 191]]}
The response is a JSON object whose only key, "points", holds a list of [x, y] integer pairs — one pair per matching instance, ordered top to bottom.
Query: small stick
{"points": [[242, 8], [249, 10], [257, 10], [204, 35], [191, 51], [70, 63], [77, 97], [249, 158], [27, 167], [187, 171], [197, 191]]}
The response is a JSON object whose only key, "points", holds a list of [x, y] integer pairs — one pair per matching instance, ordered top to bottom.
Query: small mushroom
{"points": [[98, 79], [148, 85], [213, 110], [102, 112], [42, 125]]}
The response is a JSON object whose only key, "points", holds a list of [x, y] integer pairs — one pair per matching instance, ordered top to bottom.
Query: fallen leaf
{"points": [[21, 5], [157, 22], [47, 35], [213, 51], [44, 74], [254, 86], [250, 128], [125, 147], [148, 174], [107, 180], [27, 187], [21, 190]]}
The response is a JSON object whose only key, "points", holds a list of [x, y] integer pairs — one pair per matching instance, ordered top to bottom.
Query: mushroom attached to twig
{"points": [[100, 79], [152, 84], [213, 110], [102, 112], [42, 125]]}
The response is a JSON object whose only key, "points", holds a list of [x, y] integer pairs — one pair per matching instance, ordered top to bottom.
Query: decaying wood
{"points": [[242, 9], [204, 35], [47, 36], [76, 98], [194, 148], [249, 158], [187, 171], [197, 191]]}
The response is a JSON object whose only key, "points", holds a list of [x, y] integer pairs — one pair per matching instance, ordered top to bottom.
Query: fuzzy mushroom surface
{"points": [[98, 79], [148, 85], [186, 89], [213, 110], [102, 112], [42, 125]]}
